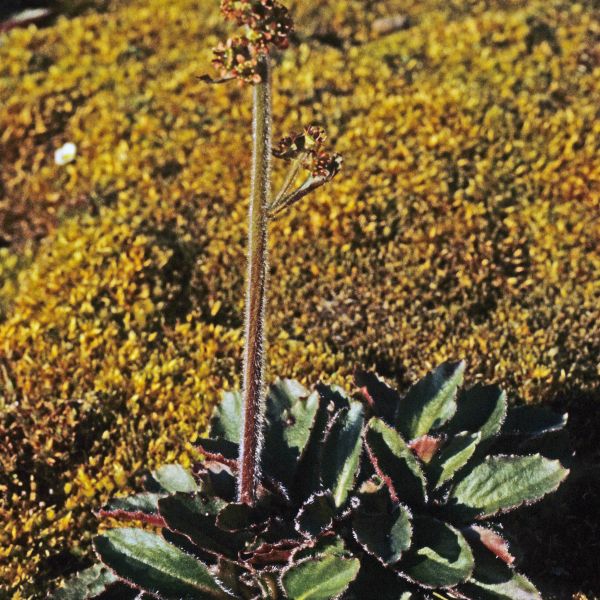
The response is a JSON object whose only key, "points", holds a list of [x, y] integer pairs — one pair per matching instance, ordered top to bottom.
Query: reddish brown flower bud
{"points": [[268, 20], [238, 58], [309, 141], [326, 165]]}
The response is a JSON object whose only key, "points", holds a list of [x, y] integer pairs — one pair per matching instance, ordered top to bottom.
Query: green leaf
{"points": [[383, 400], [431, 401], [481, 408], [290, 415], [226, 420], [533, 421], [341, 452], [454, 456], [395, 463], [308, 472], [174, 478], [501, 483], [141, 507], [316, 515], [238, 516], [195, 517], [382, 530], [439, 555], [149, 562], [320, 578], [494, 580], [92, 582], [389, 585]]}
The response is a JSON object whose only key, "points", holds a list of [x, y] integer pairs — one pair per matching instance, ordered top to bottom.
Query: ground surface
{"points": [[465, 224]]}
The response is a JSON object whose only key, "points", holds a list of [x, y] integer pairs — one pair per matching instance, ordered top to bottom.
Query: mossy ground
{"points": [[464, 225]]}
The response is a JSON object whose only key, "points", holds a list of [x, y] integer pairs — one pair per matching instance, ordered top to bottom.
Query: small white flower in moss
{"points": [[65, 154]]}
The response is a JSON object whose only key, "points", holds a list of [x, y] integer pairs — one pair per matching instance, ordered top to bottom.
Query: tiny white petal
{"points": [[65, 154]]}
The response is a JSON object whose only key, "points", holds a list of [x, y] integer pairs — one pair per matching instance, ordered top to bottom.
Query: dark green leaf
{"points": [[383, 400], [431, 401], [481, 408], [290, 416], [226, 420], [532, 421], [219, 450], [341, 452], [452, 457], [395, 463], [308, 473], [174, 478], [501, 483], [141, 507], [316, 515], [238, 516], [195, 517], [381, 529], [322, 546], [439, 555], [149, 562], [320, 578], [494, 580], [91, 583], [387, 583]]}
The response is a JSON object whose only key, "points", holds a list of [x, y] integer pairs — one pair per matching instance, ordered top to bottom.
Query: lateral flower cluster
{"points": [[267, 23], [307, 147]]}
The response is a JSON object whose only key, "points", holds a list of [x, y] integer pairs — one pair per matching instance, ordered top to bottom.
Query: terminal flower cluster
{"points": [[267, 22]]}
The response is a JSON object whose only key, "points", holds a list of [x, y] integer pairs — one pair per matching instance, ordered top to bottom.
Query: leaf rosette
{"points": [[380, 489]]}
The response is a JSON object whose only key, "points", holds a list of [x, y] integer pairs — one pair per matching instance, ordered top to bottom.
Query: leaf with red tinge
{"points": [[382, 399], [426, 446], [220, 451], [395, 463], [140, 507], [493, 541], [268, 554], [151, 563], [492, 579]]}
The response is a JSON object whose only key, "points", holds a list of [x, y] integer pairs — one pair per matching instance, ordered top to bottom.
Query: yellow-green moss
{"points": [[464, 225]]}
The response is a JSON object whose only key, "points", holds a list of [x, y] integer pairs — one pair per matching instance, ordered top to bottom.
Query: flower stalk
{"points": [[247, 58], [256, 286]]}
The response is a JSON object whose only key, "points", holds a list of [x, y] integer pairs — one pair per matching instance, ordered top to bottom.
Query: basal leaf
{"points": [[382, 399], [431, 401], [481, 408], [290, 416], [226, 420], [532, 421], [341, 452], [452, 457], [395, 463], [174, 478], [307, 482], [501, 483], [140, 507], [316, 515], [195, 517], [384, 531], [439, 555], [149, 562], [320, 578], [492, 579], [376, 581], [92, 582]]}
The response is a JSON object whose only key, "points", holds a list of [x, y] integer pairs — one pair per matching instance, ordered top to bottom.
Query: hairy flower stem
{"points": [[256, 287]]}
